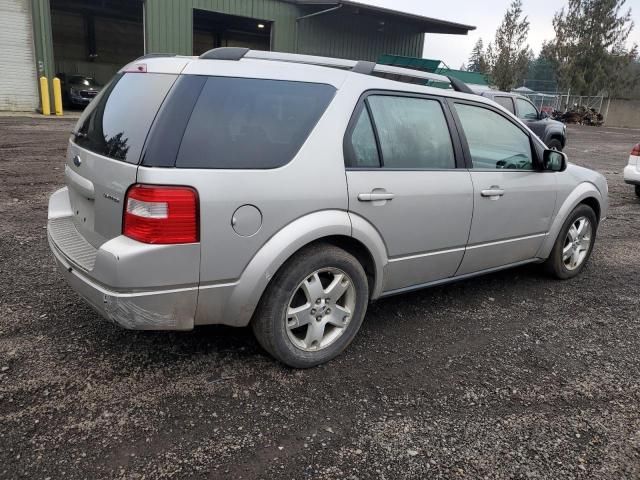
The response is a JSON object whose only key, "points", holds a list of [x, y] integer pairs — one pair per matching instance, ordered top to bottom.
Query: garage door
{"points": [[18, 88]]}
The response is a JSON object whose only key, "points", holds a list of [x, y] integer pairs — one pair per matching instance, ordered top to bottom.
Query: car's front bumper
{"points": [[80, 100], [146, 298]]}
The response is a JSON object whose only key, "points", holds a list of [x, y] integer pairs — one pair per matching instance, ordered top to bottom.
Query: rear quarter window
{"points": [[116, 122], [242, 123]]}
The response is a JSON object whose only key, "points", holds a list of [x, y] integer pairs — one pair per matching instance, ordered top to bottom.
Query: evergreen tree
{"points": [[589, 51], [508, 55], [477, 61], [541, 75]]}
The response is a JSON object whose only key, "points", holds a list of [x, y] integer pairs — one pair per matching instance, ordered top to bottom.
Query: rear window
{"points": [[116, 122], [251, 123]]}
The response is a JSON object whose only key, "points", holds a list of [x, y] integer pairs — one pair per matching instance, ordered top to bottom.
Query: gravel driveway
{"points": [[513, 375]]}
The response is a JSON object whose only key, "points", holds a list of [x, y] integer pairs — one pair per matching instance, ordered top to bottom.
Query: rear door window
{"points": [[116, 122], [243, 123], [413, 132], [362, 149]]}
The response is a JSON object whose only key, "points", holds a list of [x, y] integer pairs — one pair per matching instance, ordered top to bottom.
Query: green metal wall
{"points": [[169, 23], [341, 33], [345, 34], [43, 39]]}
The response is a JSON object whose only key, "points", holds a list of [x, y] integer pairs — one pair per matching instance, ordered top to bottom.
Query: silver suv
{"points": [[286, 192]]}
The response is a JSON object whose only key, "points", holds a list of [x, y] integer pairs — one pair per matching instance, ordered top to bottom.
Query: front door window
{"points": [[494, 142]]}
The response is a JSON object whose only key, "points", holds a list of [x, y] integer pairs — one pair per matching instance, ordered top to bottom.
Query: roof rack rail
{"points": [[156, 55], [406, 75]]}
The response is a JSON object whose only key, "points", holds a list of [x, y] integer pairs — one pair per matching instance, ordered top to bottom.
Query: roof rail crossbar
{"points": [[225, 53], [299, 58]]}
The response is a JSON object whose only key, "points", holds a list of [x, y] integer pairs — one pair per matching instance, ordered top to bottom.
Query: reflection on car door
{"points": [[506, 102], [530, 116], [403, 180], [513, 202]]}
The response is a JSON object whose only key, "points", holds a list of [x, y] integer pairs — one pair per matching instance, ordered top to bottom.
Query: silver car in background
{"points": [[286, 192]]}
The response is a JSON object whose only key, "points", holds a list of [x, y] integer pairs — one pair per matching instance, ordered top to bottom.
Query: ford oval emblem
{"points": [[77, 161]]}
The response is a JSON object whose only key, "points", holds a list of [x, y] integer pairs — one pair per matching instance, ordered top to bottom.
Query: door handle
{"points": [[492, 192], [373, 197]]}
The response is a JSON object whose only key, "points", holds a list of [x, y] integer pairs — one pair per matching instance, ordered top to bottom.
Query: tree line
{"points": [[588, 56]]}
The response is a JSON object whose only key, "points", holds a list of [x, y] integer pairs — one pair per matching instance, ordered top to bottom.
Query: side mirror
{"points": [[543, 115], [554, 161]]}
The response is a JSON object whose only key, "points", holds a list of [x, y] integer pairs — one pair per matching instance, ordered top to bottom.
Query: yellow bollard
{"points": [[44, 96], [57, 96]]}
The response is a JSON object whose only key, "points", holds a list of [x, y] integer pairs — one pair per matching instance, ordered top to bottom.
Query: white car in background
{"points": [[632, 170]]}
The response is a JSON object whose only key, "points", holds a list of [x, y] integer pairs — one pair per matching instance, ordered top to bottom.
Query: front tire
{"points": [[555, 144], [638, 190], [574, 244], [313, 307]]}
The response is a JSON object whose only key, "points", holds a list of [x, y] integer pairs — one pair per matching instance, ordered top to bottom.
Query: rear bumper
{"points": [[632, 174], [157, 285], [148, 310]]}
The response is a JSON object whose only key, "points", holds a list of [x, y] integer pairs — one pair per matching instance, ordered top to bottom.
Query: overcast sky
{"points": [[485, 15]]}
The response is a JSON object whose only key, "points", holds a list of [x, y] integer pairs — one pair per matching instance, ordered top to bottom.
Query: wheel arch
{"points": [[555, 134], [586, 193], [594, 204], [331, 226]]}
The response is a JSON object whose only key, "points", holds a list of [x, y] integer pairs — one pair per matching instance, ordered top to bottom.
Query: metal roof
{"points": [[426, 24], [424, 64], [434, 66], [475, 78]]}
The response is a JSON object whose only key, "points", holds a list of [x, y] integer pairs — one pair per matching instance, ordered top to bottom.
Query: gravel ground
{"points": [[512, 375]]}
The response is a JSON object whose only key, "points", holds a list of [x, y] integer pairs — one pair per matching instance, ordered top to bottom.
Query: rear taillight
{"points": [[636, 150], [161, 214]]}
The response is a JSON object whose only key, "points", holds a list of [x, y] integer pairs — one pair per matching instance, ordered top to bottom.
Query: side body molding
{"points": [[577, 195], [246, 293]]}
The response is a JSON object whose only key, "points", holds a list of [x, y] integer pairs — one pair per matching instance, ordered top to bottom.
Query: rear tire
{"points": [[555, 144], [638, 190], [574, 244], [313, 307]]}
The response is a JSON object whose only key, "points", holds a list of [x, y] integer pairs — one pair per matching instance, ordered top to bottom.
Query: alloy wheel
{"points": [[577, 243], [320, 309]]}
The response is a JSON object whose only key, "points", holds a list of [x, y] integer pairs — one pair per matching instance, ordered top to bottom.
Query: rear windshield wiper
{"points": [[78, 134]]}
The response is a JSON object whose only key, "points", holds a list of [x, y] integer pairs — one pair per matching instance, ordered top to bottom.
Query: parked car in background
{"points": [[79, 90], [551, 132], [632, 170], [272, 190]]}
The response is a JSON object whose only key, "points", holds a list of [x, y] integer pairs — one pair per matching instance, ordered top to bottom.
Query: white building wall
{"points": [[18, 80]]}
